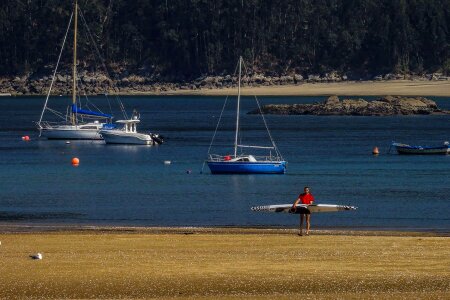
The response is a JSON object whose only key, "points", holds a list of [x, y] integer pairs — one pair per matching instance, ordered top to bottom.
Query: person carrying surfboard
{"points": [[305, 198]]}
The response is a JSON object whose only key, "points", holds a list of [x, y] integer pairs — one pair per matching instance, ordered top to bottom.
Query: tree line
{"points": [[183, 39]]}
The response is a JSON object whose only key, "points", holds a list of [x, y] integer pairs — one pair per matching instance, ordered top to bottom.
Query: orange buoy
{"points": [[25, 138], [375, 151], [75, 161]]}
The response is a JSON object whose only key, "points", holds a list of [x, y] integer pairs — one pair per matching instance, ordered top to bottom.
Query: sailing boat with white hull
{"points": [[74, 125], [240, 163]]}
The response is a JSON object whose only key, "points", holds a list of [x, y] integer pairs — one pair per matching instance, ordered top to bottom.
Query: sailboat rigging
{"points": [[74, 125], [241, 163]]}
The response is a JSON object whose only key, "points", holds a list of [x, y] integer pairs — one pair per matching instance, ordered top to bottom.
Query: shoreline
{"points": [[343, 88], [350, 88], [254, 230]]}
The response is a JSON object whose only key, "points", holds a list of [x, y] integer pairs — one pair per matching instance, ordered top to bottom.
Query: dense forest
{"points": [[184, 39]]}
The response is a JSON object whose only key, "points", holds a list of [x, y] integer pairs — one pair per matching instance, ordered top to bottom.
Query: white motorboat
{"points": [[127, 134]]}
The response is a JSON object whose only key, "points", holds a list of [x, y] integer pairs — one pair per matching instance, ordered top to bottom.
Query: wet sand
{"points": [[351, 88], [224, 263]]}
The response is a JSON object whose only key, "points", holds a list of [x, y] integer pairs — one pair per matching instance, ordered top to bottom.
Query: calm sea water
{"points": [[130, 185]]}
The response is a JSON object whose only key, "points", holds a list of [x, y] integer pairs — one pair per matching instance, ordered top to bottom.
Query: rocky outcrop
{"points": [[385, 106]]}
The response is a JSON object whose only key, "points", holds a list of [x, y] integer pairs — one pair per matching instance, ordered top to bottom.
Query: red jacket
{"points": [[306, 198]]}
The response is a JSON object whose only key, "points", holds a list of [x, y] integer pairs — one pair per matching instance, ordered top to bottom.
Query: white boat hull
{"points": [[71, 133], [121, 137]]}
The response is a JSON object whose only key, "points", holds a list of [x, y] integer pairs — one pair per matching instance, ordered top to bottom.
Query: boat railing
{"points": [[47, 124], [51, 125], [259, 158]]}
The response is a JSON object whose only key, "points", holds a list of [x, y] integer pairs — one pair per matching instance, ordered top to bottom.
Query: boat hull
{"points": [[71, 134], [116, 137], [405, 149], [226, 167], [303, 208]]}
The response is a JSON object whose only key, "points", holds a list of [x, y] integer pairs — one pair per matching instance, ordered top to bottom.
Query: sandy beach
{"points": [[350, 88], [439, 88], [233, 263]]}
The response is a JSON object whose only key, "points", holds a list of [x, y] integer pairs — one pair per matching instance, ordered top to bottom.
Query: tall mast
{"points": [[74, 71], [237, 111]]}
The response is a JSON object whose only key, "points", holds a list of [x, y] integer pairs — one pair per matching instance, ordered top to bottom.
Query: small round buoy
{"points": [[25, 138], [67, 142], [375, 151], [75, 161], [188, 171]]}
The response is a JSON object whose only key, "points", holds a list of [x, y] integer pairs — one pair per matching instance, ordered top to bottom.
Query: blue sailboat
{"points": [[242, 163]]}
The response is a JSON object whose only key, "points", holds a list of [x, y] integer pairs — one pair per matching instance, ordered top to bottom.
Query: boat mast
{"points": [[74, 71], [237, 111]]}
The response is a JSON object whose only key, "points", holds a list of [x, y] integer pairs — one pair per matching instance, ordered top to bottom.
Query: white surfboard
{"points": [[303, 208]]}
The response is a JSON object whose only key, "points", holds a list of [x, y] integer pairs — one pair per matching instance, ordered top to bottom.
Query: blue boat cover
{"points": [[80, 111], [109, 126]]}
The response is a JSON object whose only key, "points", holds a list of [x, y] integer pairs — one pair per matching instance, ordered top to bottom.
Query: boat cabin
{"points": [[129, 125], [247, 158]]}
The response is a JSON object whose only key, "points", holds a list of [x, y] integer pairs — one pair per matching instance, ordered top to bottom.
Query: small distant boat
{"points": [[127, 134], [410, 149], [242, 163]]}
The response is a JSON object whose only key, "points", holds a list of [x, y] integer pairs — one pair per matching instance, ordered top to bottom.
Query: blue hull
{"points": [[247, 167]]}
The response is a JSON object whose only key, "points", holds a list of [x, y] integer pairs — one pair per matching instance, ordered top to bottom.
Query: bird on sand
{"points": [[36, 256]]}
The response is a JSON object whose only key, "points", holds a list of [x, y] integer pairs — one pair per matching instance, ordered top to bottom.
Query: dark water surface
{"points": [[130, 185]]}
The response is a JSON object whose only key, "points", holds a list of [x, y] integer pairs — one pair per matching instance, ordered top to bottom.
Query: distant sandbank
{"points": [[351, 88], [440, 88], [249, 263]]}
